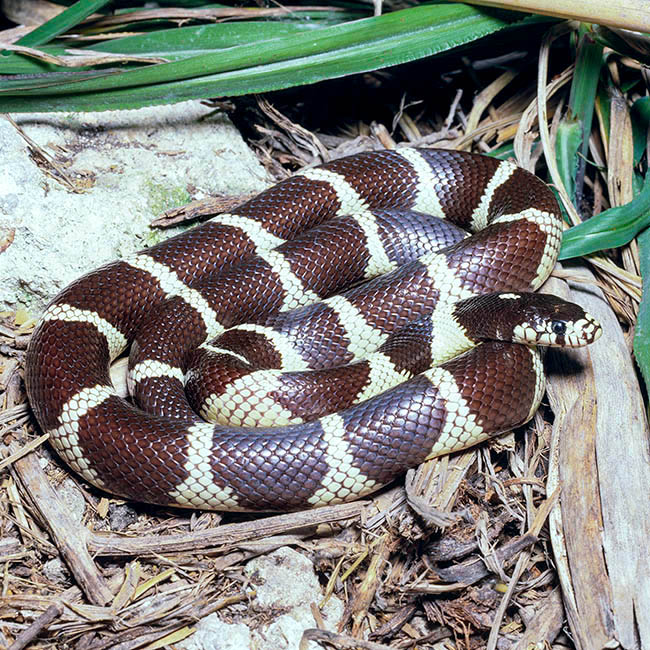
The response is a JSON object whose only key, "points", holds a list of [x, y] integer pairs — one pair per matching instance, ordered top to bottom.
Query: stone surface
{"points": [[128, 167], [73, 499], [56, 572], [285, 581], [286, 586], [212, 632]]}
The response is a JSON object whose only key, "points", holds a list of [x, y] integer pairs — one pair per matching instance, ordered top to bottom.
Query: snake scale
{"points": [[259, 296]]}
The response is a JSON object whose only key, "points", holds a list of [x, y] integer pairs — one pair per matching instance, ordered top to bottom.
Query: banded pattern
{"points": [[320, 261], [262, 397], [169, 456]]}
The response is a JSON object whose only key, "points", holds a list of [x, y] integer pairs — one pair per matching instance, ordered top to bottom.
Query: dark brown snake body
{"points": [[169, 456]]}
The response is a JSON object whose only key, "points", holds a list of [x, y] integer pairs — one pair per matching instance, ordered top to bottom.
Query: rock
{"points": [[126, 168], [73, 499], [121, 516], [56, 572], [285, 580], [286, 586], [212, 632]]}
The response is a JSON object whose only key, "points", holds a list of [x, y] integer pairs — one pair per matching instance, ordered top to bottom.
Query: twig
{"points": [[24, 450], [67, 534], [229, 535], [41, 623], [339, 641]]}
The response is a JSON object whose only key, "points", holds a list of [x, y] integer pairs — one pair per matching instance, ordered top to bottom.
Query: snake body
{"points": [[260, 273]]}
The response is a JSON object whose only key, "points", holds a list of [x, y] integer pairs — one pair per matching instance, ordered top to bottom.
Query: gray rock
{"points": [[129, 167], [73, 499], [121, 516], [56, 572], [285, 581], [286, 586], [212, 632]]}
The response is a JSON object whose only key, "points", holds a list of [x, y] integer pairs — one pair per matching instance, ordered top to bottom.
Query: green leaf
{"points": [[61, 23], [205, 39], [625, 42], [172, 44], [295, 59], [575, 128], [568, 146], [504, 151], [610, 229], [642, 330]]}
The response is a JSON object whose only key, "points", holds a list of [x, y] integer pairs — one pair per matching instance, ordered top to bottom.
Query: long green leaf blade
{"points": [[64, 21], [368, 31], [171, 44], [302, 58], [574, 130], [611, 228], [642, 330]]}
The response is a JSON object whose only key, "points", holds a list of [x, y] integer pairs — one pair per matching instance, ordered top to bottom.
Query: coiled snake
{"points": [[264, 280]]}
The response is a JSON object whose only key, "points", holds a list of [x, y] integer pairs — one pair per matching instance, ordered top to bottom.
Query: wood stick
{"points": [[69, 537], [102, 544]]}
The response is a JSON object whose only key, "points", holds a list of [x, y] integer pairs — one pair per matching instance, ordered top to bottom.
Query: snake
{"points": [[398, 282]]}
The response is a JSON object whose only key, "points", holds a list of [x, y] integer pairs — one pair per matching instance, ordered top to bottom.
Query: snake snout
{"points": [[584, 331]]}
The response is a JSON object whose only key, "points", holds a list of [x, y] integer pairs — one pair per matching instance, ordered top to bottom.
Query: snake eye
{"points": [[558, 327]]}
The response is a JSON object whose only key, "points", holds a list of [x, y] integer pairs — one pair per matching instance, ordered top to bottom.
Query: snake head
{"points": [[530, 318], [551, 321]]}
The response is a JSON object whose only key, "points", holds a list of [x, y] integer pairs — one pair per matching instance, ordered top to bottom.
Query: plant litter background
{"points": [[533, 541]]}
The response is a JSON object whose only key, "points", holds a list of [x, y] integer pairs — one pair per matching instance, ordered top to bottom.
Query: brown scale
{"points": [[452, 173], [382, 179], [518, 194], [288, 207], [415, 236], [202, 250], [330, 256], [498, 258], [495, 259], [117, 292], [242, 293], [397, 298], [388, 303], [258, 353], [64, 370], [498, 383], [499, 386], [197, 390], [322, 391], [311, 394], [406, 422], [400, 427], [134, 456], [292, 463]]}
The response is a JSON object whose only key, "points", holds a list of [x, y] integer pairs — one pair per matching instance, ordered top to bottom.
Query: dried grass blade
{"points": [[629, 14]]}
